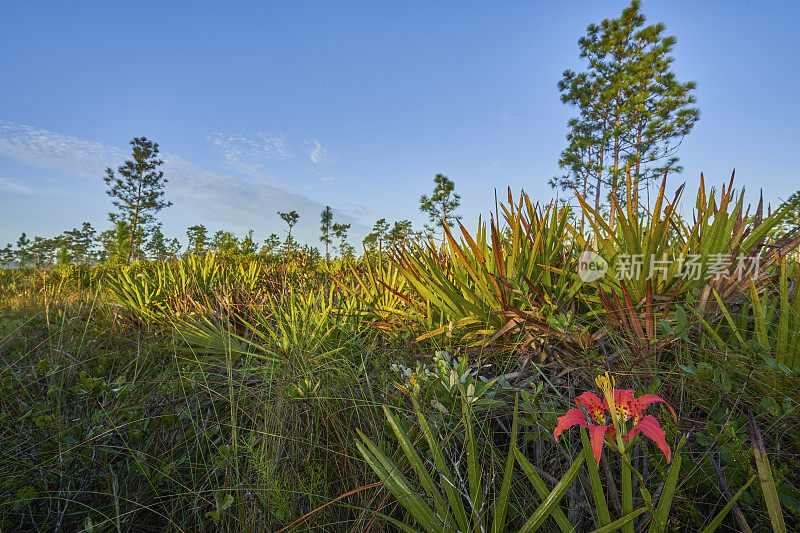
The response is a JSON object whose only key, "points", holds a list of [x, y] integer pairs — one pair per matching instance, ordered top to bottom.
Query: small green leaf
{"points": [[769, 403], [24, 496]]}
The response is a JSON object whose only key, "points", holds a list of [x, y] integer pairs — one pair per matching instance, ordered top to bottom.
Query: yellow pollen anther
{"points": [[606, 383]]}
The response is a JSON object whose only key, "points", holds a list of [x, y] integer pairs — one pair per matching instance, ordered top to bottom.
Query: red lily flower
{"points": [[625, 407], [628, 407], [597, 432]]}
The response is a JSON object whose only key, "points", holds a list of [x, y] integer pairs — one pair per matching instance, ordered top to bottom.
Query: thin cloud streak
{"points": [[507, 113], [48, 149], [250, 153], [13, 186], [205, 194]]}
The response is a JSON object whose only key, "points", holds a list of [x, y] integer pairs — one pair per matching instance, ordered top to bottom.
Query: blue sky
{"points": [[295, 105]]}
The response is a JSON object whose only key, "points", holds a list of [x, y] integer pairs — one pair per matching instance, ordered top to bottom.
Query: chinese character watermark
{"points": [[695, 267]]}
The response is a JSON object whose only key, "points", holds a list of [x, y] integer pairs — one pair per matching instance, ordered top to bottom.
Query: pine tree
{"points": [[633, 113], [137, 189], [441, 205], [291, 219], [326, 221], [340, 232], [399, 232], [378, 234], [198, 239], [85, 240], [224, 241], [81, 242], [117, 242], [271, 244], [64, 245], [157, 245], [248, 245], [173, 248], [44, 250], [23, 253], [311, 253], [6, 255], [63, 256]]}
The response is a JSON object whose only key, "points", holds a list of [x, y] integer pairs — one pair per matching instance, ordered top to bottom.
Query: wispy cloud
{"points": [[507, 113], [48, 149], [250, 153], [318, 153], [491, 164], [328, 179], [14, 186], [205, 194], [229, 200], [359, 209]]}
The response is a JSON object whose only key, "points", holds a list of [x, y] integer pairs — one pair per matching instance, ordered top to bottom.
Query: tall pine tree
{"points": [[633, 113], [138, 189], [441, 205], [291, 219], [326, 224], [340, 232], [198, 239], [373, 239]]}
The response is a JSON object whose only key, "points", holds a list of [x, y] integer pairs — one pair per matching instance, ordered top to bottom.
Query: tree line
{"points": [[137, 189]]}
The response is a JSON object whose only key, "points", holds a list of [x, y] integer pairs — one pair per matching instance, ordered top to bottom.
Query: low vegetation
{"points": [[418, 387]]}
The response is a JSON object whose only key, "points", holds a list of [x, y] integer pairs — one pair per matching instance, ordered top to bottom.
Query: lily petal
{"points": [[646, 399], [589, 400], [624, 402], [593, 405], [571, 418], [650, 428], [596, 436]]}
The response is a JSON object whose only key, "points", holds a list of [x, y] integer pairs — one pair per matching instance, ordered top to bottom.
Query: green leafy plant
{"points": [[456, 506]]}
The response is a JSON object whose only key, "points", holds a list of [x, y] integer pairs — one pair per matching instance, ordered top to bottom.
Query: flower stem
{"points": [[627, 484], [627, 496]]}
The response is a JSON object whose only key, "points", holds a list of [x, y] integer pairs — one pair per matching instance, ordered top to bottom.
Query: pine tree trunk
{"points": [[638, 165], [600, 171], [614, 177], [614, 184], [583, 213], [135, 216], [444, 221]]}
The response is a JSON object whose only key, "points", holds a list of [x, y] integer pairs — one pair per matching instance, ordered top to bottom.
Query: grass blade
{"points": [[765, 477], [668, 492], [501, 504], [550, 504], [617, 524], [710, 528]]}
